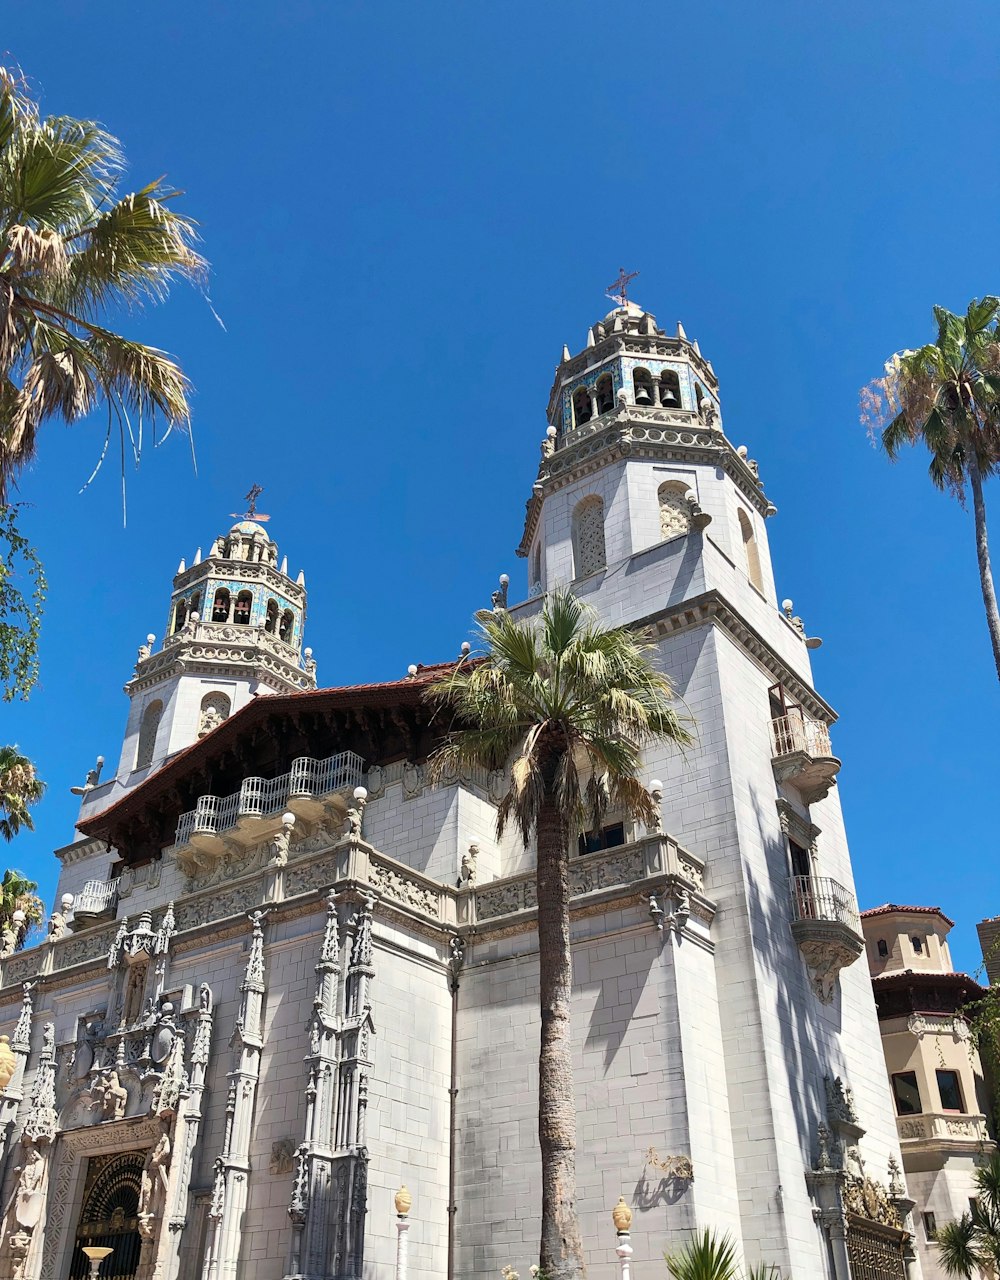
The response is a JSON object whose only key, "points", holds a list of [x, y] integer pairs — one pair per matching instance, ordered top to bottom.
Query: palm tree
{"points": [[72, 251], [947, 395], [567, 705], [19, 788], [17, 893], [973, 1242], [713, 1257]]}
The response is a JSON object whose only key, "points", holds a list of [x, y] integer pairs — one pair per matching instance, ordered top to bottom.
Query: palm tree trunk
{"points": [[983, 553], [561, 1254]]}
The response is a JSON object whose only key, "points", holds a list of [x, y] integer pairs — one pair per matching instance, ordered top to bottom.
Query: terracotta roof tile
{"points": [[891, 908]]}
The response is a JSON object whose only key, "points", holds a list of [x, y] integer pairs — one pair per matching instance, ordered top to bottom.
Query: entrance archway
{"points": [[109, 1215]]}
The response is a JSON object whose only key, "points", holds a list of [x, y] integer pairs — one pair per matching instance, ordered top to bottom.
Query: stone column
{"points": [[186, 1133], [232, 1168]]}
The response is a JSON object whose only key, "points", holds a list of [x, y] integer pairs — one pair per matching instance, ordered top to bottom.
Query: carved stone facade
{"points": [[322, 983]]}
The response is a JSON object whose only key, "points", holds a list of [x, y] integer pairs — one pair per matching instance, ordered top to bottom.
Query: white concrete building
{"points": [[224, 1071], [936, 1076]]}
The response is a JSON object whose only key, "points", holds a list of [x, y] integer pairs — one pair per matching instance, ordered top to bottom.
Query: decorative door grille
{"points": [[109, 1215], [875, 1252]]}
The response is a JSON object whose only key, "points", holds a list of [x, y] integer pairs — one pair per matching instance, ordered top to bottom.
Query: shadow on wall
{"points": [[808, 1029]]}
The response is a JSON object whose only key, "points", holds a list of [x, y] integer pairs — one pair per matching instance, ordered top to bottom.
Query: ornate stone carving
{"points": [[467, 875], [402, 888], [840, 1101], [282, 1156], [153, 1185], [869, 1199]]}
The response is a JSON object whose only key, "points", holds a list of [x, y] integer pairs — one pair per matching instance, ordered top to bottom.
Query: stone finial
{"points": [[680, 332], [590, 338], [565, 354], [403, 1201]]}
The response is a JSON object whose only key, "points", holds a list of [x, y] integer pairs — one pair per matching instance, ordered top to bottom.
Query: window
{"points": [[642, 386], [670, 389], [605, 394], [582, 411], [675, 513], [751, 551], [589, 552], [535, 585], [196, 602], [244, 605], [220, 606], [180, 614], [271, 620], [287, 626], [215, 708], [147, 734], [607, 838], [801, 862], [918, 945], [883, 948], [950, 1091], [906, 1093], [930, 1226]]}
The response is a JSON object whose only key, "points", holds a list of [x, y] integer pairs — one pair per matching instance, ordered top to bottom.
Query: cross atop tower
{"points": [[617, 290], [251, 512]]}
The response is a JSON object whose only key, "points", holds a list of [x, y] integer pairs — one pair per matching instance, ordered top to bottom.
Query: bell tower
{"points": [[234, 631]]}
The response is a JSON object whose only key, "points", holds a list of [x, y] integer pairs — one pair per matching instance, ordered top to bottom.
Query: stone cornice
{"points": [[659, 435], [712, 607], [221, 658], [79, 850], [654, 864]]}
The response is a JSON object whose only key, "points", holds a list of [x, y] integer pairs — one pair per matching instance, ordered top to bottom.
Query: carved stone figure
{"points": [[211, 718], [355, 819], [282, 840], [469, 860], [58, 928], [8, 942], [113, 1098], [840, 1102], [282, 1156], [153, 1184], [28, 1206]]}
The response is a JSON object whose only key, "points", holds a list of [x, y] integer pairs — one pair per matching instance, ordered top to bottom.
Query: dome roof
{"points": [[630, 309], [249, 529]]}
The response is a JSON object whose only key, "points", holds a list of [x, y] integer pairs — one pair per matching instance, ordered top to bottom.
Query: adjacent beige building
{"points": [[934, 1071]]}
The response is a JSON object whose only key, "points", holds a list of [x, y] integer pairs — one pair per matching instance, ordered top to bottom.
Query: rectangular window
{"points": [[607, 838], [801, 864], [950, 1091], [906, 1093], [930, 1226]]}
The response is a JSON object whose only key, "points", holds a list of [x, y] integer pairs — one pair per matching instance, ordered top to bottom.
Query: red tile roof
{"points": [[891, 908]]}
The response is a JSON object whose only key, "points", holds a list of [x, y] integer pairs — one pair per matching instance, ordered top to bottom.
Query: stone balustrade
{"points": [[935, 1127]]}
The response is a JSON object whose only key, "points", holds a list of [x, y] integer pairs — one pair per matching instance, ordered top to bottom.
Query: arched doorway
{"points": [[109, 1215]]}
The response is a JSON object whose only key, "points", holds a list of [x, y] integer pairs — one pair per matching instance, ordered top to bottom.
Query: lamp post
{"points": [[403, 1202], [621, 1216], [96, 1253]]}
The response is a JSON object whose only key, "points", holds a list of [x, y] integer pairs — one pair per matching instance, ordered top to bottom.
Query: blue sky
{"points": [[410, 208]]}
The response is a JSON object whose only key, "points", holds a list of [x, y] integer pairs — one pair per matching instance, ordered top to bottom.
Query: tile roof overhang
{"points": [[891, 908]]}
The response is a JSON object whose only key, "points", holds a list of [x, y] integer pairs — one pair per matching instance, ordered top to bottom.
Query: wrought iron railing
{"points": [[796, 731], [258, 797], [96, 896], [820, 898]]}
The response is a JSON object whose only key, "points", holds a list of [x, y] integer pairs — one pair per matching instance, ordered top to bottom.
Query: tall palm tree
{"points": [[73, 250], [947, 396], [567, 705], [19, 788], [17, 893], [971, 1245]]}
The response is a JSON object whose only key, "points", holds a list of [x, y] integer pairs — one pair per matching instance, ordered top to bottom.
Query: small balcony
{"points": [[801, 754], [307, 790], [97, 900], [827, 929], [942, 1129]]}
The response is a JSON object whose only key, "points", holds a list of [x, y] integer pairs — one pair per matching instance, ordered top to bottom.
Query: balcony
{"points": [[801, 754], [307, 790], [97, 900], [827, 929], [934, 1129]]}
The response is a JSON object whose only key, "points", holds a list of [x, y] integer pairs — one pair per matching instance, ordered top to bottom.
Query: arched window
{"points": [[642, 385], [670, 389], [605, 393], [699, 395], [582, 411], [675, 511], [751, 551], [589, 553], [536, 571], [196, 602], [244, 605], [220, 606], [180, 614], [271, 620], [287, 626], [215, 708], [147, 734], [883, 948]]}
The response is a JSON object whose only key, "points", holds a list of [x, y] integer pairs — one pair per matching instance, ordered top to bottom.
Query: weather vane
{"points": [[617, 291], [251, 512]]}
